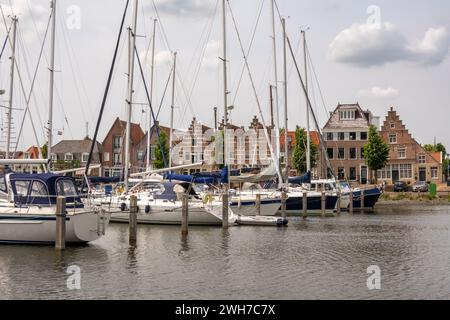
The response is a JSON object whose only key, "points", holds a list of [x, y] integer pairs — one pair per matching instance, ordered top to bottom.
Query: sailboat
{"points": [[28, 201], [162, 204]]}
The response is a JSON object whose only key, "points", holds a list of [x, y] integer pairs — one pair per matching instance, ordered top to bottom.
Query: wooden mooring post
{"points": [[362, 200], [323, 203], [258, 204], [283, 204], [338, 204], [305, 205], [350, 206], [225, 210], [185, 215], [133, 220], [60, 236]]}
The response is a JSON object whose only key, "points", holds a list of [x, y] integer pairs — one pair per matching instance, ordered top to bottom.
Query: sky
{"points": [[381, 54]]}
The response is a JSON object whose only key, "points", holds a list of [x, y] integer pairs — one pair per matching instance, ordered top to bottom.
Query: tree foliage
{"points": [[439, 148], [44, 151], [299, 152], [376, 152], [159, 162], [61, 165]]}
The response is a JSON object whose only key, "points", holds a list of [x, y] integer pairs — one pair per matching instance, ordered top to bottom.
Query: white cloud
{"points": [[187, 8], [28, 13], [365, 45], [434, 47], [163, 58], [211, 58], [379, 93]]}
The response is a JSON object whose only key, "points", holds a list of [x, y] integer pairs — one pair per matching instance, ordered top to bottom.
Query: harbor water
{"points": [[312, 259]]}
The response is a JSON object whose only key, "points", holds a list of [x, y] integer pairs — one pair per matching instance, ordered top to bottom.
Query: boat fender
{"points": [[123, 206], [147, 209]]}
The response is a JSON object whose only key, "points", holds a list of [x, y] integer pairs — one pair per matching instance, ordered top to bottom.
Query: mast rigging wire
{"points": [[5, 42], [108, 84], [151, 108], [274, 159]]}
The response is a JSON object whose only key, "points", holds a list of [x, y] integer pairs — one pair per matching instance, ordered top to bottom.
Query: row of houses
{"points": [[345, 134]]}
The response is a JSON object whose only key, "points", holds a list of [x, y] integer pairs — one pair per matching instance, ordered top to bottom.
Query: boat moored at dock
{"points": [[28, 210]]}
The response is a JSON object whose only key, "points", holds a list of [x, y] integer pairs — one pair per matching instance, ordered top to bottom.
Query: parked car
{"points": [[400, 186], [421, 186]]}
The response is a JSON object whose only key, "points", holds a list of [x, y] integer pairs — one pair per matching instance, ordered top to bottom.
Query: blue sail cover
{"points": [[201, 177], [305, 178], [100, 180]]}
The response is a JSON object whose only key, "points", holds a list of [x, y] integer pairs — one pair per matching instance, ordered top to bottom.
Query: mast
{"points": [[132, 42], [52, 81], [11, 87], [275, 87], [151, 96], [172, 108], [225, 114], [308, 134], [286, 146]]}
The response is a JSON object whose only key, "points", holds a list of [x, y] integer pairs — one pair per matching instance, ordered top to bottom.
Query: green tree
{"points": [[439, 148], [44, 151], [299, 152], [376, 152], [159, 162]]}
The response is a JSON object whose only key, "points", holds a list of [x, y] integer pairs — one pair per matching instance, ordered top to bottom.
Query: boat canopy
{"points": [[305, 178], [43, 189], [169, 191]]}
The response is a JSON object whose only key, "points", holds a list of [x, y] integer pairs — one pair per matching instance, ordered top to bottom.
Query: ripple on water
{"points": [[312, 259]]}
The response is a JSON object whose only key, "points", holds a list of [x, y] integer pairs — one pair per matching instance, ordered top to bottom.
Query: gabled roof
{"points": [[361, 120], [136, 130], [315, 138], [75, 146], [32, 151], [436, 156]]}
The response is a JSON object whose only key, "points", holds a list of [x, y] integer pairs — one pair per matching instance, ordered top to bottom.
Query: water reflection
{"points": [[312, 259]]}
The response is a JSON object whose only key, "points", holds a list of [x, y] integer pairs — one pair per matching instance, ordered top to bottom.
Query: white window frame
{"points": [[391, 141], [350, 153], [401, 153], [68, 156], [83, 156], [106, 156], [54, 157], [422, 159], [434, 173]]}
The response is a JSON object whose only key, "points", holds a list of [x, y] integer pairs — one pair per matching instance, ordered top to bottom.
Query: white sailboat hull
{"points": [[270, 208], [170, 213], [81, 227]]}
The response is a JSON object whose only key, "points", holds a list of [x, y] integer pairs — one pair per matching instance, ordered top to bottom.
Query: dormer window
{"points": [[347, 115], [27, 155]]}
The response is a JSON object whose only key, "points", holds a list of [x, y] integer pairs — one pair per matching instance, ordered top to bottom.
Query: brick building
{"points": [[345, 135], [141, 147], [113, 148], [408, 160]]}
